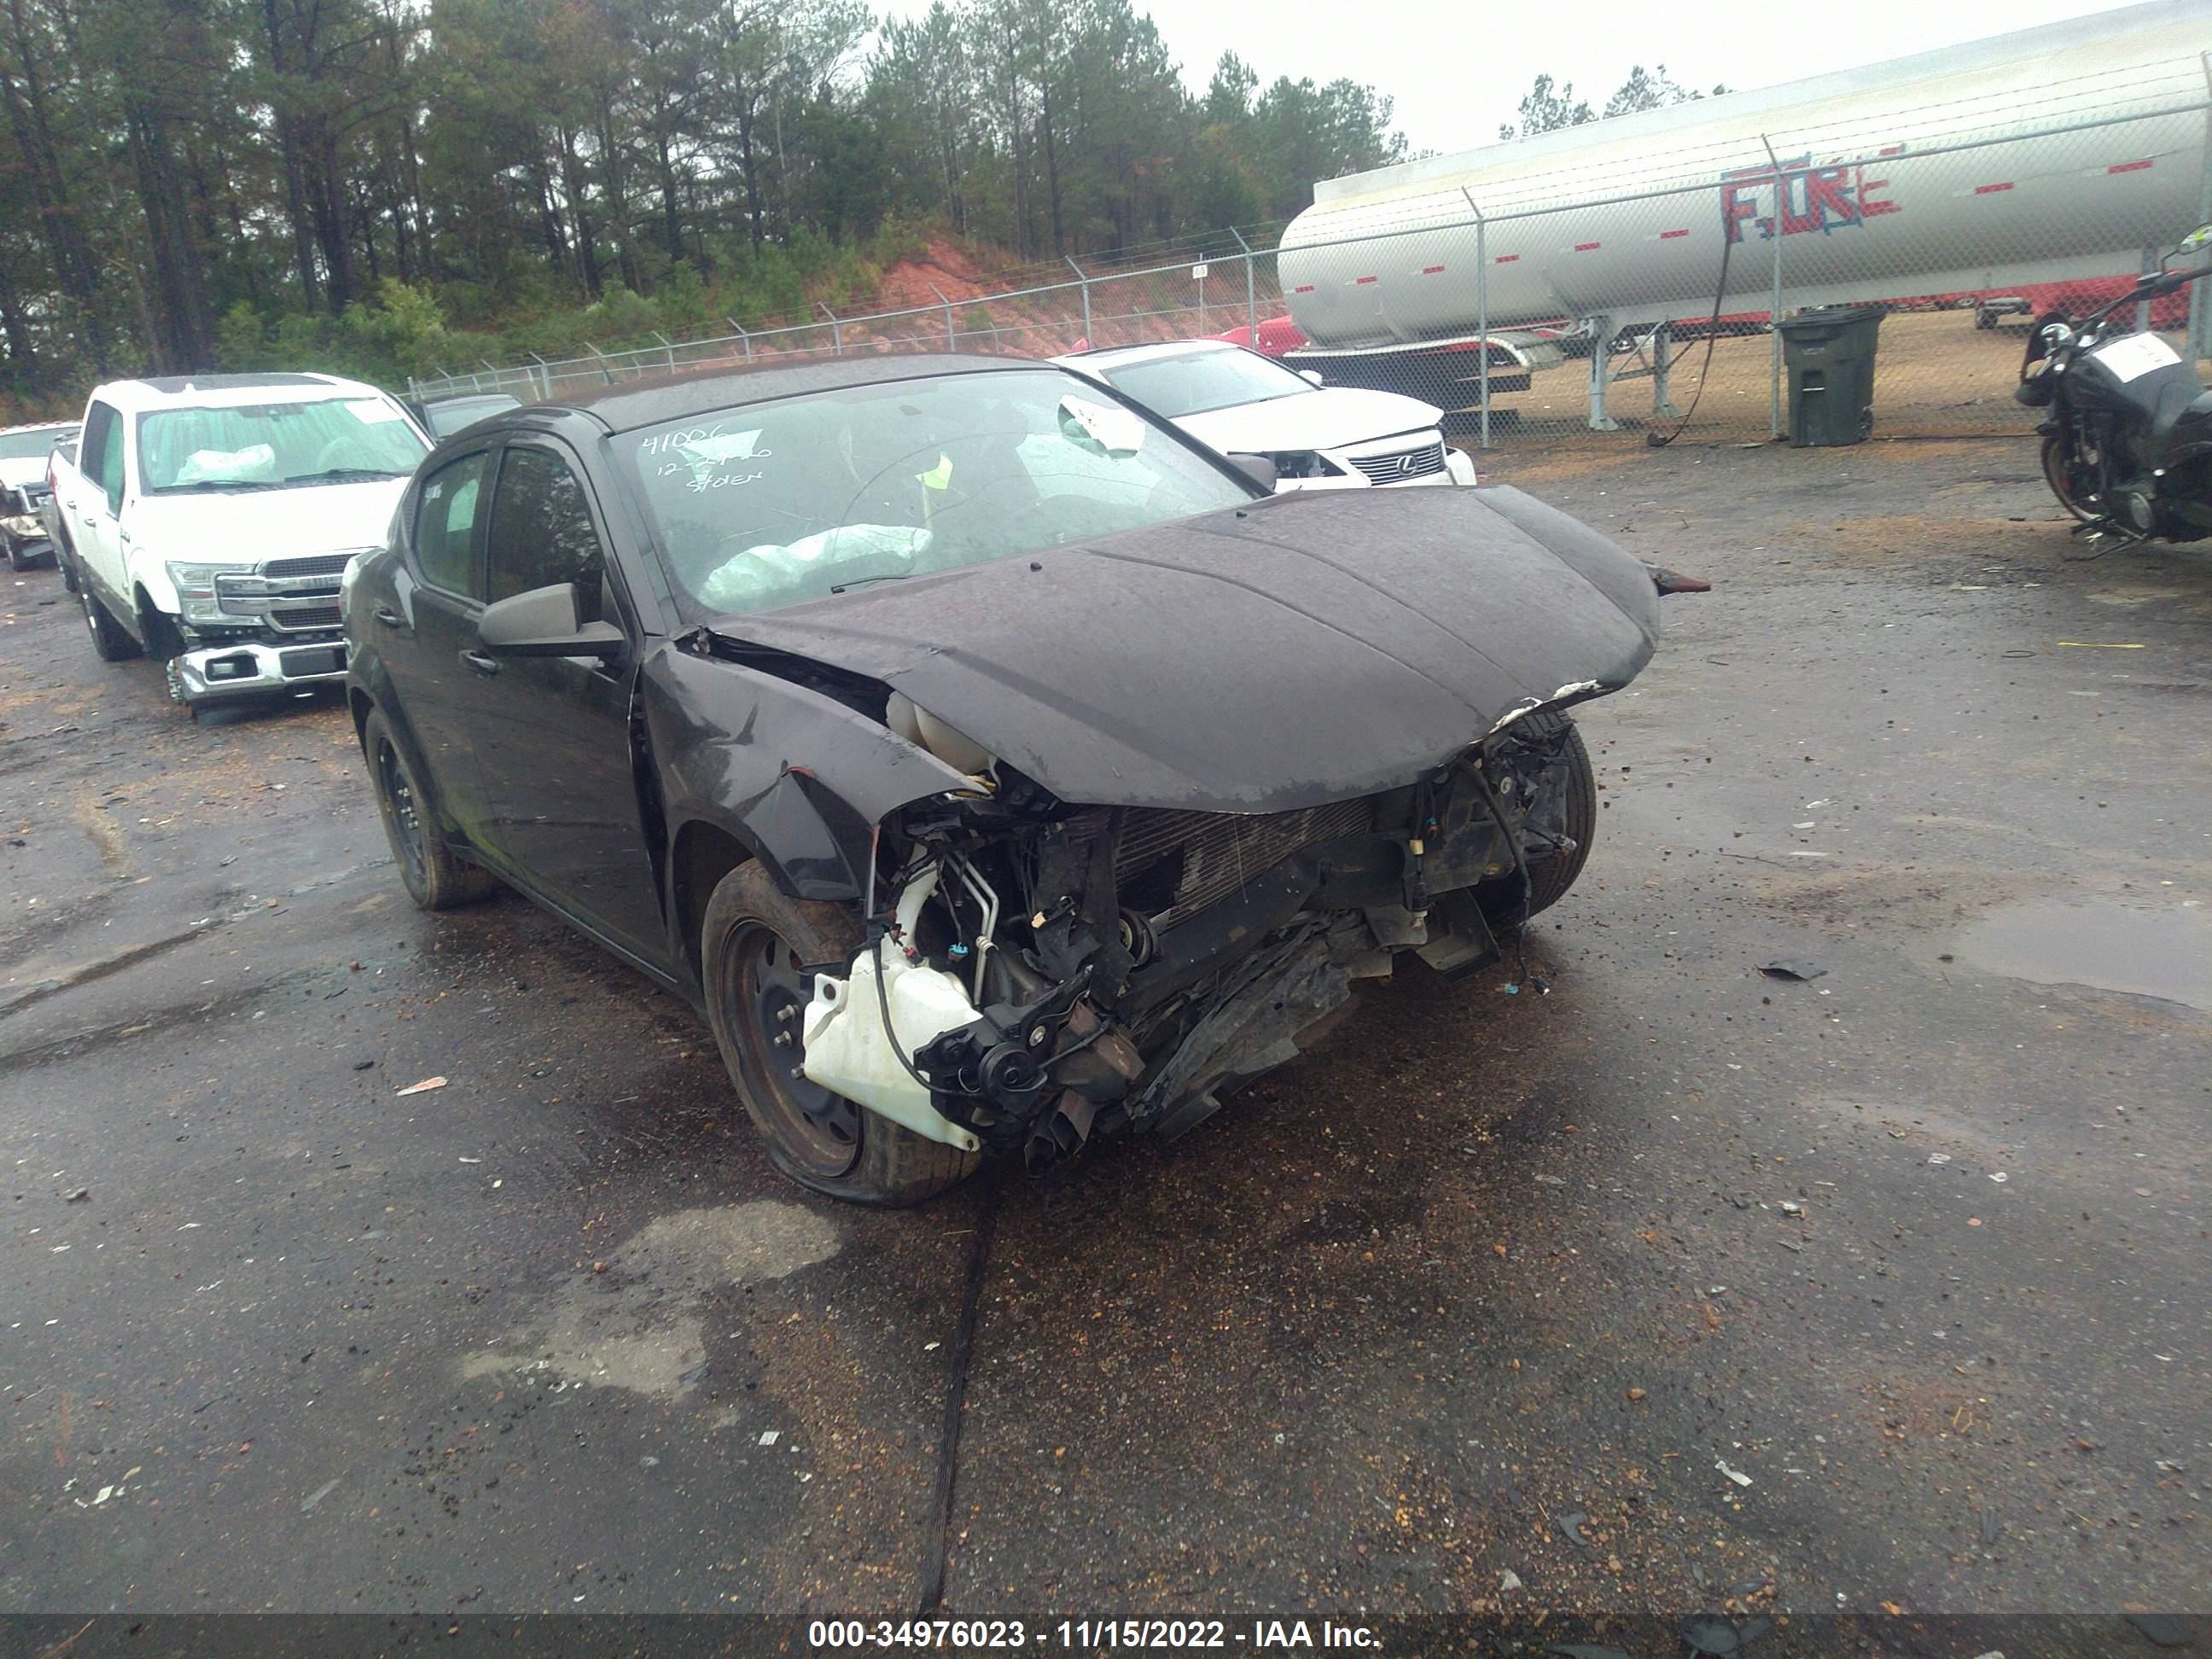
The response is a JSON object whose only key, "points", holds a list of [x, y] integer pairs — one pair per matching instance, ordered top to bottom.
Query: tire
{"points": [[2054, 474], [15, 559], [109, 639], [164, 640], [435, 877], [1549, 878], [752, 945]]}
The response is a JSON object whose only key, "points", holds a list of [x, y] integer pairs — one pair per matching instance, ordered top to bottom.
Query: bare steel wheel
{"points": [[759, 949], [767, 994]]}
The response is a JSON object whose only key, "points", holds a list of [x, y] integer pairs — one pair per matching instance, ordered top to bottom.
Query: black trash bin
{"points": [[1829, 354]]}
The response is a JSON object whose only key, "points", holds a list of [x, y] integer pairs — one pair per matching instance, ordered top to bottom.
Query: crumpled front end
{"points": [[1216, 772], [1040, 973]]}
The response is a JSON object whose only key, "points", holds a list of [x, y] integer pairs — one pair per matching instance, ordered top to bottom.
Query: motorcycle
{"points": [[2127, 444]]}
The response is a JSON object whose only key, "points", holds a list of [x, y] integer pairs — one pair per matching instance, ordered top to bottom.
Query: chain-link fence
{"points": [[1530, 317]]}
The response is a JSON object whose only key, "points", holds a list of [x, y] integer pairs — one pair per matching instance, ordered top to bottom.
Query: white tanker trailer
{"points": [[2042, 156]]}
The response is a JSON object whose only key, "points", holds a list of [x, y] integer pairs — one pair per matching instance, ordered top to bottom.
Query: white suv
{"points": [[1319, 437]]}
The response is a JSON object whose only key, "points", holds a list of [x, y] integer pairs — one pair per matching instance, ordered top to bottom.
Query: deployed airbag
{"points": [[769, 574]]}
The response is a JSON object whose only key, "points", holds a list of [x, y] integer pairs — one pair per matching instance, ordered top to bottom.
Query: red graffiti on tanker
{"points": [[1812, 199]]}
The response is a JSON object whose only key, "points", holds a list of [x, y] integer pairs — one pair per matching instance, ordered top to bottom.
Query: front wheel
{"points": [[2058, 472], [1564, 805], [759, 950]]}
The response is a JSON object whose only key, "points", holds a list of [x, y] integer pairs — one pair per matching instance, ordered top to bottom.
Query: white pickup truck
{"points": [[206, 521]]}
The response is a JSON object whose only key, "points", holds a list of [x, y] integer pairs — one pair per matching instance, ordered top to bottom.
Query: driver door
{"points": [[552, 734]]}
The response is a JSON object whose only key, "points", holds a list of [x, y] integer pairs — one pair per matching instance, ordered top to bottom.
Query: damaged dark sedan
{"points": [[997, 770]]}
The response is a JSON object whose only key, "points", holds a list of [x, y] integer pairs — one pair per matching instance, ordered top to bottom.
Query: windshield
{"points": [[1199, 381], [34, 445], [273, 445], [776, 503]]}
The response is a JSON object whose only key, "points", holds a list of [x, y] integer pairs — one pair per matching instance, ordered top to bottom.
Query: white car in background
{"points": [[1319, 437], [23, 489]]}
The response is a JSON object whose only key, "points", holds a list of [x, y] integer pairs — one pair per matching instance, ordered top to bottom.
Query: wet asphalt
{"points": [[1677, 1286]]}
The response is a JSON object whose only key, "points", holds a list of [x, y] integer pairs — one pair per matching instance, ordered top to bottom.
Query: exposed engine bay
{"points": [[1041, 974]]}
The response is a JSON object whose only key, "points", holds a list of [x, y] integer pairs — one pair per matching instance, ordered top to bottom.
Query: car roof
{"points": [[1116, 356], [228, 390], [633, 404], [39, 426]]}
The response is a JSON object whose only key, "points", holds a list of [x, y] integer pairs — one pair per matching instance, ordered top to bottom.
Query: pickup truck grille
{"points": [[1402, 464], [316, 564], [290, 600], [303, 618]]}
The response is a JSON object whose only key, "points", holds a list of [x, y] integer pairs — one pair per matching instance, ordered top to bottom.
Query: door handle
{"points": [[90, 522], [389, 618], [482, 663]]}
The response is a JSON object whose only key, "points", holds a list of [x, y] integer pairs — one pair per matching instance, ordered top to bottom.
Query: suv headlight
{"points": [[1304, 464]]}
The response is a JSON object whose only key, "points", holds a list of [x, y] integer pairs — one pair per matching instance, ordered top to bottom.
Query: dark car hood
{"points": [[1312, 647]]}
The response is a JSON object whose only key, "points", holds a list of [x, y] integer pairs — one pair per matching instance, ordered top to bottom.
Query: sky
{"points": [[1456, 77]]}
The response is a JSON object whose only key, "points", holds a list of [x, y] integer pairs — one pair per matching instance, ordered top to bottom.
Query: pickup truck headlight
{"points": [[1304, 464], [196, 594]]}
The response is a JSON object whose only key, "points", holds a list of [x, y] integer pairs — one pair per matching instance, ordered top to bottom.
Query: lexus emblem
{"points": [[1406, 464]]}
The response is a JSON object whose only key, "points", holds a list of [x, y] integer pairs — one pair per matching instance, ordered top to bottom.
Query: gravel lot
{"points": [[1489, 1284]]}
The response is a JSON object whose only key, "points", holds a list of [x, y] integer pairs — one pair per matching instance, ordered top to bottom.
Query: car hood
{"points": [[1327, 418], [14, 475], [249, 526], [1311, 647]]}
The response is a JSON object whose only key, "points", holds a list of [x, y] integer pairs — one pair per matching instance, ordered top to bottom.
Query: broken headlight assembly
{"points": [[1305, 464], [940, 1029]]}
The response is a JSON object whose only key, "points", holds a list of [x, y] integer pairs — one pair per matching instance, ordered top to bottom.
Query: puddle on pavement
{"points": [[2163, 953]]}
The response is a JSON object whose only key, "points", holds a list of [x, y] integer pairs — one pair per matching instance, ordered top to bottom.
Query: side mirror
{"points": [[2195, 242], [1311, 377], [1260, 469], [543, 624]]}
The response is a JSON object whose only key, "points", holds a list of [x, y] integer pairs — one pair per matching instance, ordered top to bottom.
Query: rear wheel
{"points": [[109, 639], [435, 878], [758, 948]]}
